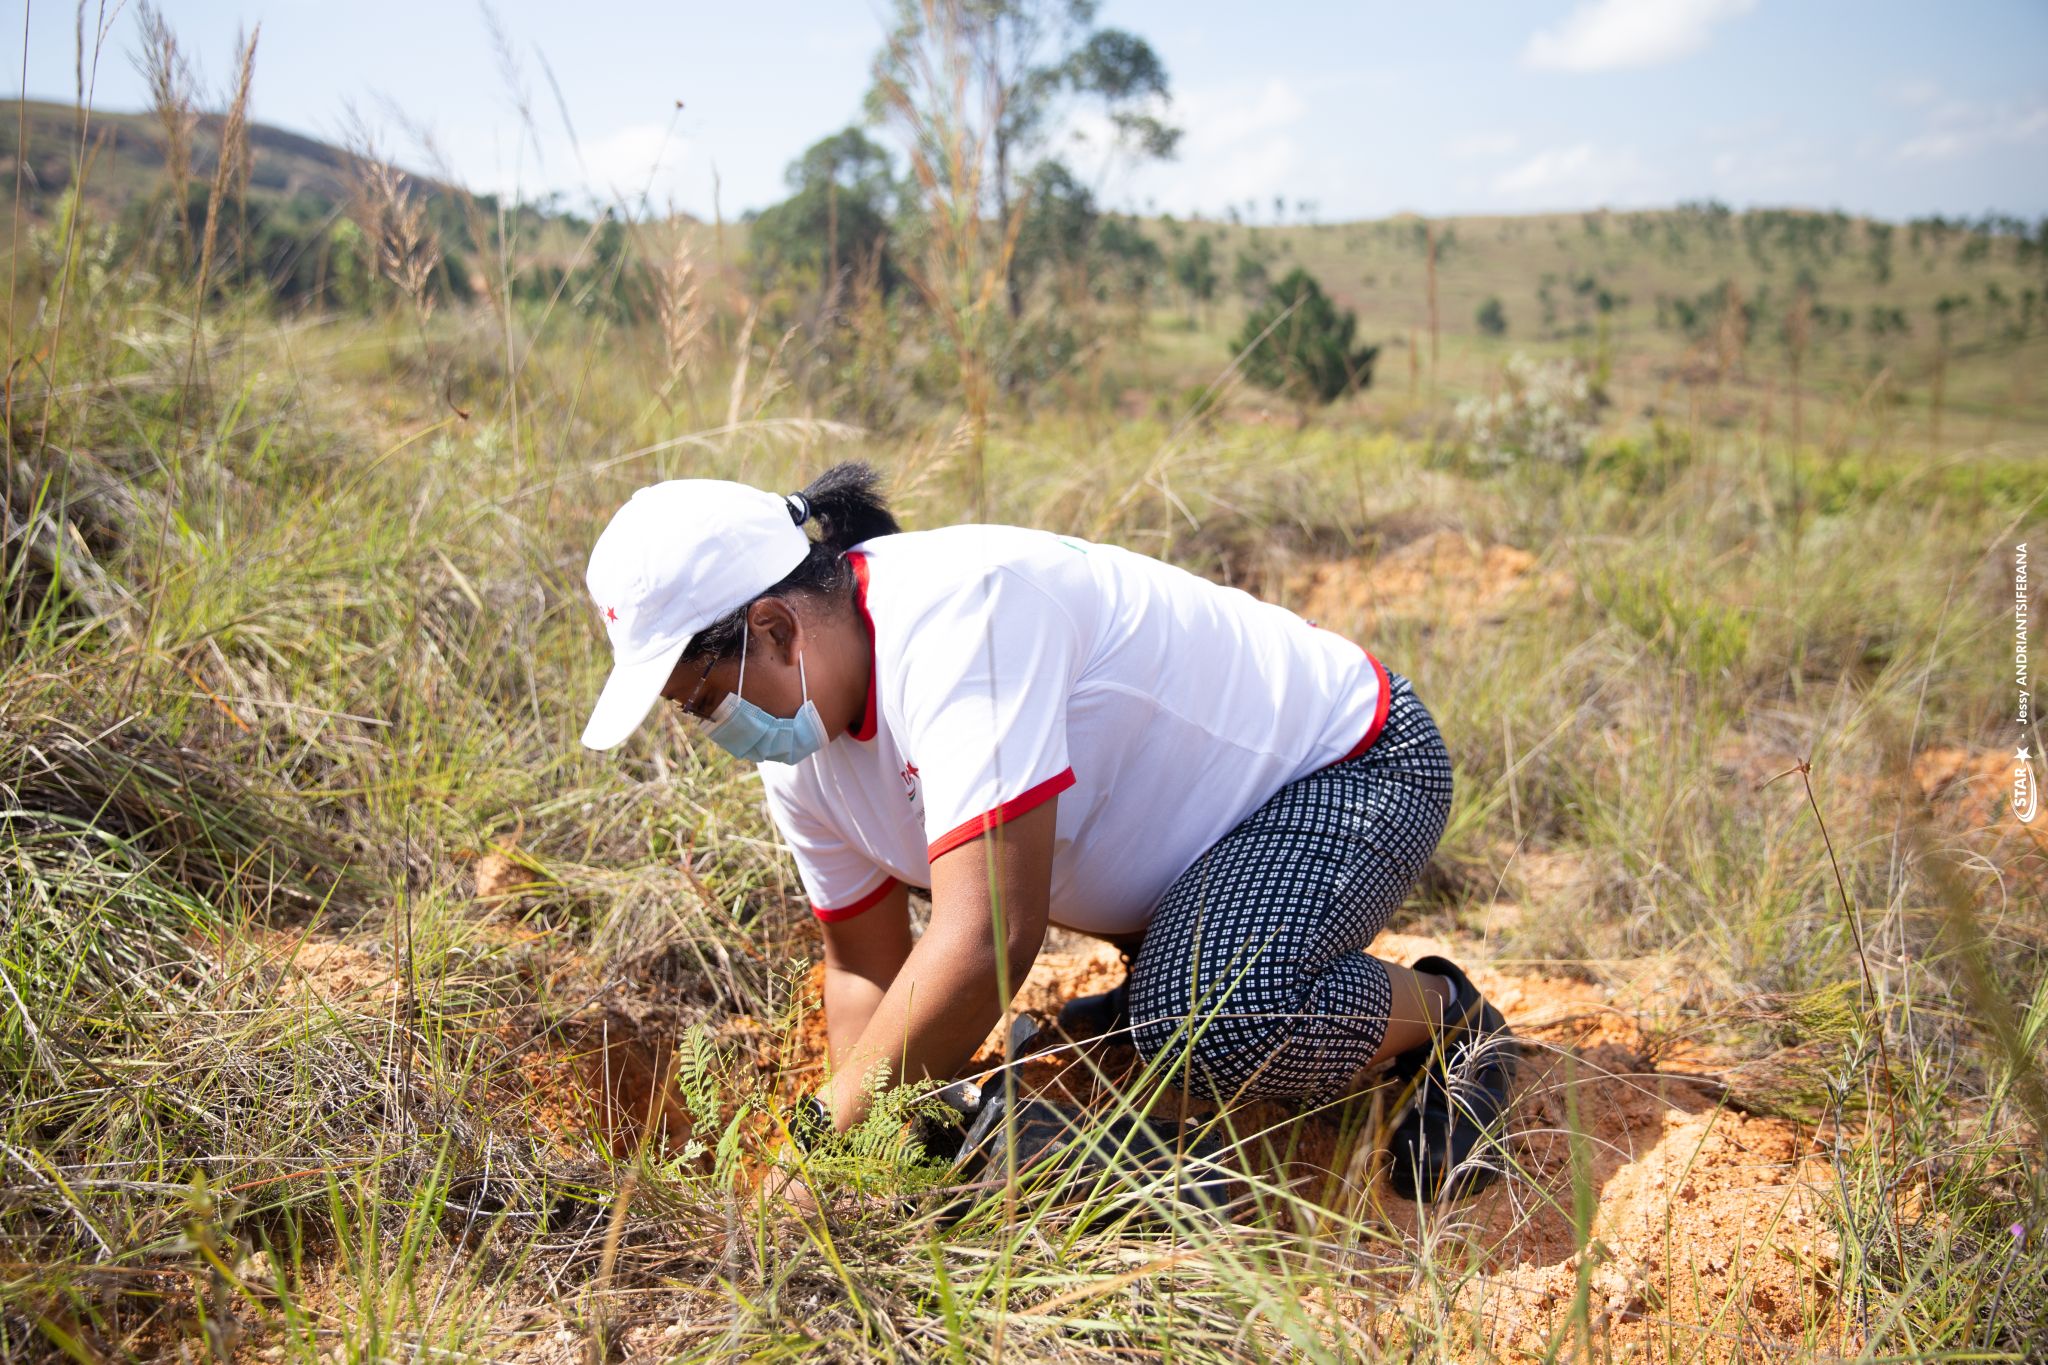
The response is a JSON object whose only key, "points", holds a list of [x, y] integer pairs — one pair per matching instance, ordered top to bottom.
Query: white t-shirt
{"points": [[1014, 665]]}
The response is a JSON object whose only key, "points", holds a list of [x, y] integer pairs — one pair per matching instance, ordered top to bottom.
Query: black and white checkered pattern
{"points": [[1262, 941]]}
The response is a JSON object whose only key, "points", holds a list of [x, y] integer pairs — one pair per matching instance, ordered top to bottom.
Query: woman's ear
{"points": [[775, 621]]}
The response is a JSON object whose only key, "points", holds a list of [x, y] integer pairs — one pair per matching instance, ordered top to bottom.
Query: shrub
{"points": [[1492, 317], [1299, 343], [1543, 411]]}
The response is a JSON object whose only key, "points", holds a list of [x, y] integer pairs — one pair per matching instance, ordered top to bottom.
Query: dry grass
{"points": [[173, 98], [404, 245]]}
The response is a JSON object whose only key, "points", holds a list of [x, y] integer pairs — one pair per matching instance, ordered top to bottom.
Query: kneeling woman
{"points": [[1043, 730]]}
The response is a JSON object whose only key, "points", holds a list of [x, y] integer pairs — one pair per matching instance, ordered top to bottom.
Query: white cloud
{"points": [[1608, 35], [852, 42], [1234, 115], [1961, 129], [1745, 130], [1240, 142], [1475, 146], [1936, 147], [634, 156], [617, 165], [1786, 168], [1577, 176]]}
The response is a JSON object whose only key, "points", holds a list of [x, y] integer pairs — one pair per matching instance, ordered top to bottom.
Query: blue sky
{"points": [[1362, 108]]}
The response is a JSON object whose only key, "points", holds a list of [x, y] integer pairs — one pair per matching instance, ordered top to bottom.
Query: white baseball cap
{"points": [[678, 556]]}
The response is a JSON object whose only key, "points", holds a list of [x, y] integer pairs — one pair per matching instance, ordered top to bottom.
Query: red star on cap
{"points": [[610, 615]]}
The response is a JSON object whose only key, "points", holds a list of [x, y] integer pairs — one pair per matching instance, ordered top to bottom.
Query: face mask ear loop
{"points": [[802, 681], [740, 691]]}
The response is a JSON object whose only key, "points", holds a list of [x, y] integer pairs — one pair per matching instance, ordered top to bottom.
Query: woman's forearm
{"points": [[989, 907], [862, 956], [850, 1001]]}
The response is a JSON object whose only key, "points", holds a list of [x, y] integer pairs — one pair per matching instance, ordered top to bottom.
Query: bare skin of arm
{"points": [[862, 956], [948, 992]]}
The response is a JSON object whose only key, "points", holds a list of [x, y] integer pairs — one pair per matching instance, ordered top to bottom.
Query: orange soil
{"points": [[1442, 578], [1973, 792], [498, 876], [327, 970], [1708, 1231]]}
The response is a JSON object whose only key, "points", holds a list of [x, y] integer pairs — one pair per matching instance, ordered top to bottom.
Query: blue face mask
{"points": [[744, 730]]}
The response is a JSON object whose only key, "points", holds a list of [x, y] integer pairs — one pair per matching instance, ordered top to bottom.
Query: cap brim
{"points": [[629, 694]]}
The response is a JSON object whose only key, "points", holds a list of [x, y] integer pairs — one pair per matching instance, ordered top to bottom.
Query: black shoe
{"points": [[1090, 1016], [1458, 1090]]}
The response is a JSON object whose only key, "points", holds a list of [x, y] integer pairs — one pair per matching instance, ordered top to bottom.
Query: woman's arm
{"points": [[862, 956], [948, 995]]}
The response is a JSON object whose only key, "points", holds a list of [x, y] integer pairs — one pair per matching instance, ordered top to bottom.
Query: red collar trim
{"points": [[865, 730]]}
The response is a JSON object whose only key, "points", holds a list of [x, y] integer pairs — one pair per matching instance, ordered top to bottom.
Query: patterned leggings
{"points": [[1267, 931]]}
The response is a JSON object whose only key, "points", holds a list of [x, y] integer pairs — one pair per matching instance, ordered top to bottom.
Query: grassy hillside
{"points": [[127, 152], [1644, 293]]}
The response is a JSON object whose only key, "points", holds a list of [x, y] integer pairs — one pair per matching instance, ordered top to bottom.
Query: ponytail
{"points": [[846, 505]]}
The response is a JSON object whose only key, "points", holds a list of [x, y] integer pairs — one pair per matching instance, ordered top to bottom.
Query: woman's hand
{"points": [[787, 1185]]}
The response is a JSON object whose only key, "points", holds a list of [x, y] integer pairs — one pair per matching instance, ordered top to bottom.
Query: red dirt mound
{"points": [[1442, 578], [327, 971], [1707, 1233]]}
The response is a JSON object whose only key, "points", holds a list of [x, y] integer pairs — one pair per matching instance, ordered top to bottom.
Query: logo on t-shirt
{"points": [[909, 776]]}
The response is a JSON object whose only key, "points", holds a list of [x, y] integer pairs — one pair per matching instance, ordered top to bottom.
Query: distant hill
{"points": [[127, 152]]}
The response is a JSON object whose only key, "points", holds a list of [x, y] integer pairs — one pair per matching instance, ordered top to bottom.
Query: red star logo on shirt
{"points": [[610, 614], [909, 776]]}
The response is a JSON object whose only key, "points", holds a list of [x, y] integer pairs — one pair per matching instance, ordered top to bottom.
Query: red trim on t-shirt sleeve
{"points": [[859, 560], [1379, 713], [1001, 815], [867, 902]]}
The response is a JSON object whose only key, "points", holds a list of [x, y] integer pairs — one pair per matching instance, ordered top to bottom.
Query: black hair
{"points": [[846, 505]]}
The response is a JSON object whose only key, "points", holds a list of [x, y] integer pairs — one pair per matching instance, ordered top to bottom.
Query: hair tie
{"points": [[799, 507]]}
